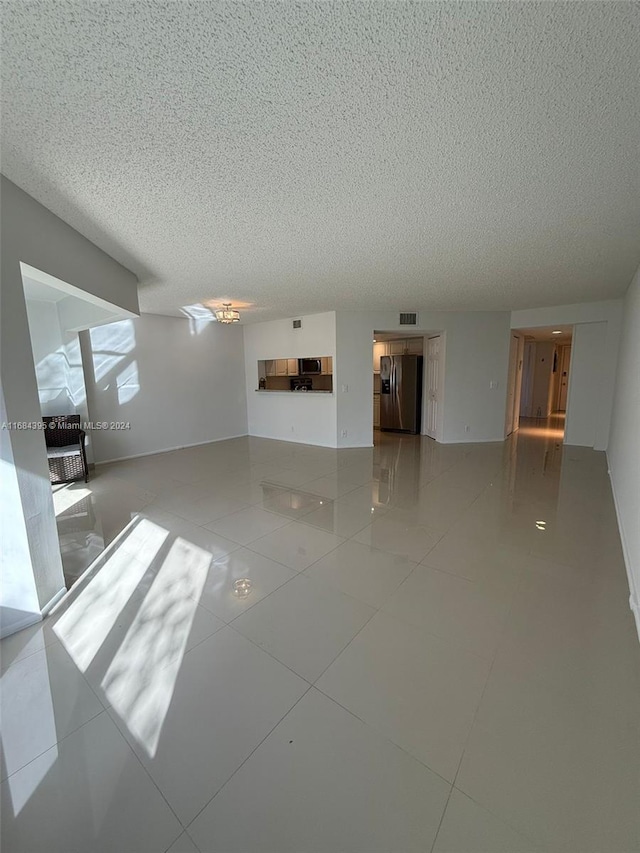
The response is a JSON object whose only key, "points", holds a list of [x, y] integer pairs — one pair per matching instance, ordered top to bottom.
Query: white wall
{"points": [[32, 235], [477, 354], [50, 358], [593, 364], [586, 378], [176, 386], [305, 418], [624, 446], [19, 606]]}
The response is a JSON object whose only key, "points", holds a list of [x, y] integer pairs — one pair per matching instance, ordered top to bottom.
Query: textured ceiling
{"points": [[312, 156]]}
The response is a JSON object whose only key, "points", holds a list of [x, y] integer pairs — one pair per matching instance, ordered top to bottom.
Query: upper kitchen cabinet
{"points": [[401, 346], [379, 349], [295, 374]]}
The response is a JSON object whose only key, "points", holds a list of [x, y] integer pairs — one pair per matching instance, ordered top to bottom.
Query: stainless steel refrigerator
{"points": [[401, 392]]}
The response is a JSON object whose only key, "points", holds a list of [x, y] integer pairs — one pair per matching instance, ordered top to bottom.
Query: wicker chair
{"points": [[65, 448]]}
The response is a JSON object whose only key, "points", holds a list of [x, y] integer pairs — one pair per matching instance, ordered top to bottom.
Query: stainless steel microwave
{"points": [[309, 365]]}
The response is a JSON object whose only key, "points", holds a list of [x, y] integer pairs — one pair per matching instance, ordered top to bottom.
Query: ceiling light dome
{"points": [[227, 314]]}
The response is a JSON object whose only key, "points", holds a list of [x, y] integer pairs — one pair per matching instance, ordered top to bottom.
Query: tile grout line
{"points": [[486, 684], [383, 735], [54, 745], [258, 745], [455, 779], [153, 781], [444, 811]]}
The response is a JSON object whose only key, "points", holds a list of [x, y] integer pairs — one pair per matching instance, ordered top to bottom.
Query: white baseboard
{"points": [[292, 439], [473, 441], [355, 446], [169, 449], [634, 593], [52, 602], [30, 619], [26, 622]]}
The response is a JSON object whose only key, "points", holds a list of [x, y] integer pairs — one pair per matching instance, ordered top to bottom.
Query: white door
{"points": [[433, 388]]}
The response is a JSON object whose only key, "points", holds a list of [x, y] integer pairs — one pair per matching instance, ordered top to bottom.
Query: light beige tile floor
{"points": [[434, 652]]}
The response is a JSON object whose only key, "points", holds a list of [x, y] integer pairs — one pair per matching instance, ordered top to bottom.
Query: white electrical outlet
{"points": [[345, 388], [467, 428], [344, 433]]}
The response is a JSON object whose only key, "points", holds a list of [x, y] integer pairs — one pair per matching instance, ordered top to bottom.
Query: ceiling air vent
{"points": [[408, 319], [297, 324]]}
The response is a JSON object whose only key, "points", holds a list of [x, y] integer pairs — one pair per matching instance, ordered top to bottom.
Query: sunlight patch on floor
{"points": [[84, 626], [140, 681]]}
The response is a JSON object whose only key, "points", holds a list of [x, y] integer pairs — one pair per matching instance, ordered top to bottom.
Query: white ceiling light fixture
{"points": [[227, 314], [557, 332]]}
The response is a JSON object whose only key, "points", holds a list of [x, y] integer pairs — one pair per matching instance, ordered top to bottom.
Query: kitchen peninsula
{"points": [[298, 375]]}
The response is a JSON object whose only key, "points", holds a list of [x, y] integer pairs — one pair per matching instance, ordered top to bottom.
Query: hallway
{"points": [[412, 647]]}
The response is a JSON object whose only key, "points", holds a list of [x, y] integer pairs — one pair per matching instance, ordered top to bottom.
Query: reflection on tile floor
{"points": [[79, 528], [433, 651]]}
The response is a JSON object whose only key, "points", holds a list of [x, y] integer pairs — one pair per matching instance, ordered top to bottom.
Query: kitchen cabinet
{"points": [[402, 346], [379, 349], [287, 367], [376, 410]]}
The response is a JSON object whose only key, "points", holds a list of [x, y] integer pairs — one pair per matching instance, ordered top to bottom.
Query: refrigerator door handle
{"points": [[396, 395]]}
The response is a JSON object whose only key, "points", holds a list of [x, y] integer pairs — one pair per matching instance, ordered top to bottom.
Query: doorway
{"points": [[57, 317], [392, 344], [539, 376]]}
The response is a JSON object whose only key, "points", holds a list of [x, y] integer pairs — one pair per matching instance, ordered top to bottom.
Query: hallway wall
{"points": [[593, 364], [624, 448]]}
